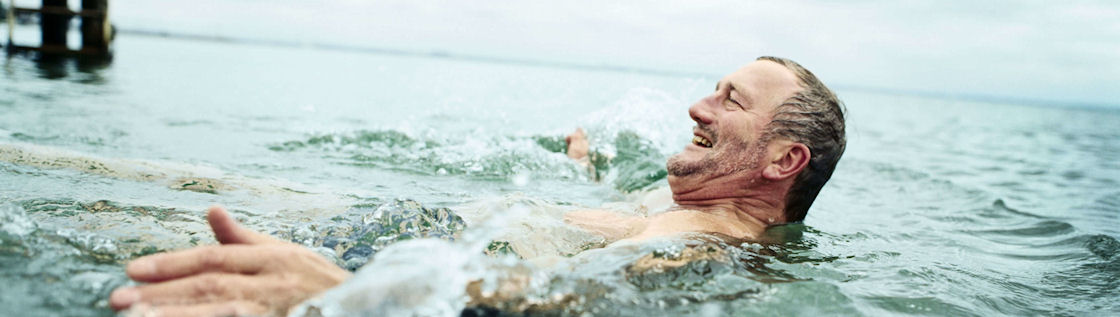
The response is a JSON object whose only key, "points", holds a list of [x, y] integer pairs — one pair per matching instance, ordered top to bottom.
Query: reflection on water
{"points": [[80, 69], [87, 69]]}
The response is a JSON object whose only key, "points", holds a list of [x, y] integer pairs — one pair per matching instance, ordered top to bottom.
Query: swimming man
{"points": [[764, 144]]}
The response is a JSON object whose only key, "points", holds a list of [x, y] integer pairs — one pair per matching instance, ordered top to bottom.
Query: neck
{"points": [[753, 202]]}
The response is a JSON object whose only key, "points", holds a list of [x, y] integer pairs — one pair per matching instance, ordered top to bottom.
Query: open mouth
{"points": [[701, 141]]}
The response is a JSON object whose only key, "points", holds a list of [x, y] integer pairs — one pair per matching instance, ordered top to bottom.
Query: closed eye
{"points": [[733, 94], [734, 102]]}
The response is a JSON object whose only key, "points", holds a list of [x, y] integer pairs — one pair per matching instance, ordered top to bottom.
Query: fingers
{"points": [[575, 136], [578, 145], [227, 231], [227, 258], [200, 289], [229, 308]]}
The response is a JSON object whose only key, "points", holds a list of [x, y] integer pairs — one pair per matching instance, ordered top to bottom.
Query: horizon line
{"points": [[443, 54]]}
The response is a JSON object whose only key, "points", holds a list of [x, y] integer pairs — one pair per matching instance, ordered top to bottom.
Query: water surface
{"points": [[939, 207]]}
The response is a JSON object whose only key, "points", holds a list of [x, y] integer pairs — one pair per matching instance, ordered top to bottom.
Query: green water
{"points": [[939, 207]]}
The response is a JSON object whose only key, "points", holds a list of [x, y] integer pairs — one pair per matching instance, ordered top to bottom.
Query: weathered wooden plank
{"points": [[60, 11]]}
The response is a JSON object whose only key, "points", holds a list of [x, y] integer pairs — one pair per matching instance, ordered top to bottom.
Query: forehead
{"points": [[767, 84]]}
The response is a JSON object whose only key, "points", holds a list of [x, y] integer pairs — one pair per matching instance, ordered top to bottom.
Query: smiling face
{"points": [[729, 124]]}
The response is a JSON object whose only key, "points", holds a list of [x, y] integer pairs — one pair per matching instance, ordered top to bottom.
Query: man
{"points": [[765, 143]]}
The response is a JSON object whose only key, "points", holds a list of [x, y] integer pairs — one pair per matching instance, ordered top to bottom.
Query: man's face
{"points": [[730, 121]]}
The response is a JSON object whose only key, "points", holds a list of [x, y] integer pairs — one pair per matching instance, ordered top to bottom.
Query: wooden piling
{"points": [[11, 12], [54, 22], [95, 30]]}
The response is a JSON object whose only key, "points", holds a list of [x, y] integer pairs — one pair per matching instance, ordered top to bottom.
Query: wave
{"points": [[498, 157], [628, 160]]}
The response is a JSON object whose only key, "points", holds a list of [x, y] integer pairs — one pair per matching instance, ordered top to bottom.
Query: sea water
{"points": [[426, 174]]}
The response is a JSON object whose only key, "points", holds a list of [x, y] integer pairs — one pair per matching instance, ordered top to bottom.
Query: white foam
{"points": [[263, 194], [14, 221]]}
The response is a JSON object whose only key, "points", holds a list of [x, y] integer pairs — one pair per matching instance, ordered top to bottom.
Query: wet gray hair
{"points": [[814, 117]]}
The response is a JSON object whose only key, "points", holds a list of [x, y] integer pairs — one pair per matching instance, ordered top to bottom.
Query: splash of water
{"points": [[14, 222], [425, 277]]}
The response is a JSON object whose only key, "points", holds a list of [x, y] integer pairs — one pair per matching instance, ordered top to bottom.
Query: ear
{"points": [[787, 159]]}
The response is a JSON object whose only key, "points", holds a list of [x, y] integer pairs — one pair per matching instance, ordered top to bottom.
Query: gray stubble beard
{"points": [[711, 162], [677, 167]]}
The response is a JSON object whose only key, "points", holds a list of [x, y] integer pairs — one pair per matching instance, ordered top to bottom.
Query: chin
{"points": [[679, 166]]}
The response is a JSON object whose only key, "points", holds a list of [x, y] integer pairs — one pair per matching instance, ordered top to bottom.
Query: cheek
{"points": [[741, 127], [735, 138], [739, 146]]}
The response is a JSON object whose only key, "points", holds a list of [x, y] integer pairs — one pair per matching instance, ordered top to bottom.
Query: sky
{"points": [[1060, 52]]}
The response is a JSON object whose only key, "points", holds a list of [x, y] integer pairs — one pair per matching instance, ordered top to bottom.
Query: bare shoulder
{"points": [[685, 221], [668, 223], [611, 225]]}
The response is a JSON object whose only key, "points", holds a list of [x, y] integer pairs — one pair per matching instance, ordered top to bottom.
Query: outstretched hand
{"points": [[249, 273]]}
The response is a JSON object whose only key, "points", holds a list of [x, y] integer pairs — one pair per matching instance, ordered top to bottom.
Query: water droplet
{"points": [[521, 179], [711, 310]]}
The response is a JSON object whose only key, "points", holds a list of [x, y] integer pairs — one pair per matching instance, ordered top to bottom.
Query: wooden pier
{"points": [[54, 23]]}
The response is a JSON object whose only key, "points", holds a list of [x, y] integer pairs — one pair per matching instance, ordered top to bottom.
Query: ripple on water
{"points": [[901, 188], [1106, 205], [1041, 229], [1103, 246], [981, 254], [40, 260], [1091, 284], [892, 305]]}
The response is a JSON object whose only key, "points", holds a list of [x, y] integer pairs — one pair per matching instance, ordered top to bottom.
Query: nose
{"points": [[701, 111]]}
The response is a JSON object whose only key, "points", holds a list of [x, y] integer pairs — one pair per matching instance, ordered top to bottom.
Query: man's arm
{"points": [[249, 273]]}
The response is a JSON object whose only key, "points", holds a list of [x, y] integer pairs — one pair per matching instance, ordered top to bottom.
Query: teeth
{"points": [[701, 141]]}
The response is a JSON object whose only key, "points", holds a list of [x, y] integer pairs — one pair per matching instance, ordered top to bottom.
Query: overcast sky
{"points": [[1065, 51]]}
